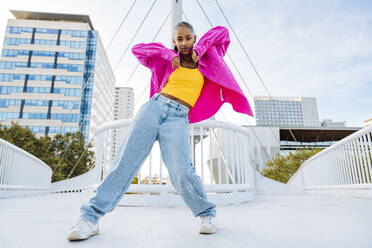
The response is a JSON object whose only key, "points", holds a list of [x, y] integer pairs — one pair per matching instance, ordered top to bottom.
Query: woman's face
{"points": [[184, 40]]}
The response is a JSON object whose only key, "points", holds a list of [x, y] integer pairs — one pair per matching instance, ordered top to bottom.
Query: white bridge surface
{"points": [[326, 203], [272, 221]]}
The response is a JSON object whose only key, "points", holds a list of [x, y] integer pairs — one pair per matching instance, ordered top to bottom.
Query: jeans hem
{"points": [[89, 219]]}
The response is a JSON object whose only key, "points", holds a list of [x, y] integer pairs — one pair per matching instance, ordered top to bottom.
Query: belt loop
{"points": [[156, 95]]}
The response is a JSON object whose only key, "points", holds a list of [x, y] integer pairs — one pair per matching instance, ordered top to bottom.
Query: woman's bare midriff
{"points": [[176, 99]]}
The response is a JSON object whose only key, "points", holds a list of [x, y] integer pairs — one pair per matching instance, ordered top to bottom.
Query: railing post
{"points": [[224, 140], [99, 154], [303, 179], [164, 203]]}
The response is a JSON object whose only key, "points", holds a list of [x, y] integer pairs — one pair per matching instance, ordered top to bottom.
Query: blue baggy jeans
{"points": [[165, 120]]}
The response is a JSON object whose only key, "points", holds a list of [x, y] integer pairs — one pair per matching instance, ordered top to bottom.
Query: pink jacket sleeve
{"points": [[217, 36], [150, 53]]}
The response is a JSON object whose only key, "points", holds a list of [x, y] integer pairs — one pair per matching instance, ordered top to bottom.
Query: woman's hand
{"points": [[194, 56], [175, 62]]}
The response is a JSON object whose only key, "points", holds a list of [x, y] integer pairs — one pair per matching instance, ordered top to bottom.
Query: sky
{"points": [[319, 48]]}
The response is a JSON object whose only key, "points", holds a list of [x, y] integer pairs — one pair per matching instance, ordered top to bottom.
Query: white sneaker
{"points": [[207, 224], [83, 229]]}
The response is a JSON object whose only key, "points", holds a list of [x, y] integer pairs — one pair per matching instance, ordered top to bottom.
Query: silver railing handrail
{"points": [[200, 125], [346, 164], [21, 172]]}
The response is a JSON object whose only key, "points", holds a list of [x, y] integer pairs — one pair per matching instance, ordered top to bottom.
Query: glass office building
{"points": [[55, 76], [123, 109], [286, 111], [330, 123]]}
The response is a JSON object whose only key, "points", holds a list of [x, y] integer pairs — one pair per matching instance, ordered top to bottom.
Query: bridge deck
{"points": [[269, 221]]}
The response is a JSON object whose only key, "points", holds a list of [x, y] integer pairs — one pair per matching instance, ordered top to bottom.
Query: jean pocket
{"points": [[183, 114]]}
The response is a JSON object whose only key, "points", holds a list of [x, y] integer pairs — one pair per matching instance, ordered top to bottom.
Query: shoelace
{"points": [[206, 219], [80, 223]]}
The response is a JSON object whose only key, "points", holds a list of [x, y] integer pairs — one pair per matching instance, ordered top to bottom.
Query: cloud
{"points": [[300, 48], [312, 48]]}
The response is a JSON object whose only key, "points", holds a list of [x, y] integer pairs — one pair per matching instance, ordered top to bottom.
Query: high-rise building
{"points": [[55, 76], [124, 103], [123, 109], [286, 111], [330, 123]]}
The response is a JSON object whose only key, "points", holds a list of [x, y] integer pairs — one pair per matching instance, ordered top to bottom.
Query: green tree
{"points": [[24, 138], [61, 153], [69, 155], [282, 168]]}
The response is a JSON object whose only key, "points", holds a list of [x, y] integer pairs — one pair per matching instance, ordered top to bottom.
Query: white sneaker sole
{"points": [[207, 230], [76, 236]]}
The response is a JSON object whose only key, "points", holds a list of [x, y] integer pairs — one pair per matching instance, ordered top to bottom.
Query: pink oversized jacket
{"points": [[219, 86]]}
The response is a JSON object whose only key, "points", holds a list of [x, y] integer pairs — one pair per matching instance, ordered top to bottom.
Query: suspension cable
{"points": [[143, 20], [121, 24], [162, 25], [249, 59], [101, 61], [236, 68], [135, 69], [86, 83], [222, 112], [254, 132]]}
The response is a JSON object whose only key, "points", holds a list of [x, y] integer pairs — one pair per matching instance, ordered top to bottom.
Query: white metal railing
{"points": [[220, 153], [223, 155], [344, 167], [22, 174], [86, 181]]}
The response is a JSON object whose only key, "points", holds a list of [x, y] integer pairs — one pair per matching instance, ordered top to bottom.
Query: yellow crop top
{"points": [[185, 84]]}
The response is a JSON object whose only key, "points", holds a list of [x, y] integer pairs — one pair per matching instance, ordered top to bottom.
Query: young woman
{"points": [[188, 84]]}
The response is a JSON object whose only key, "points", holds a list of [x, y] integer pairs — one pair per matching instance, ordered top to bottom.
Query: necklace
{"points": [[191, 64]]}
